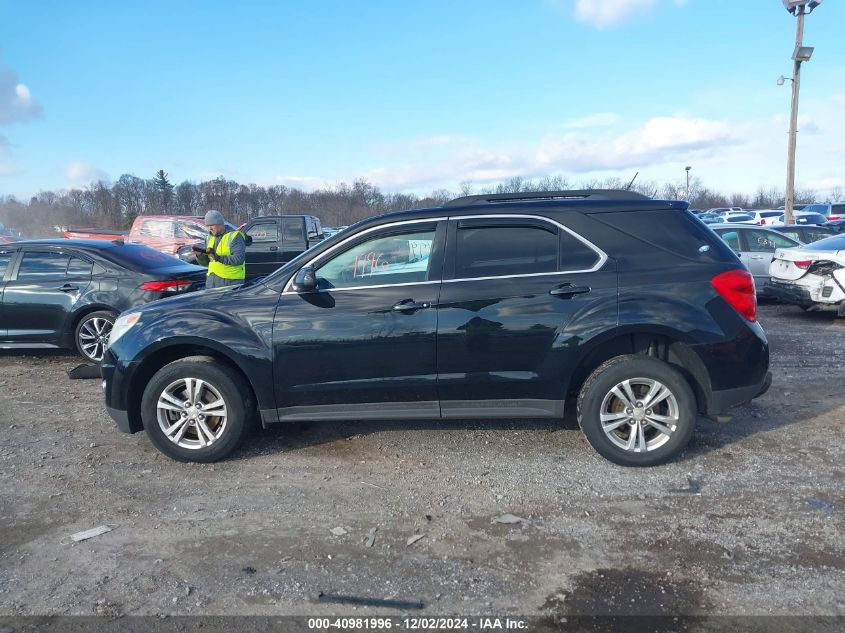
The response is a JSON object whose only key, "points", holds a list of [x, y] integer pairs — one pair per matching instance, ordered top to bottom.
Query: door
{"points": [[294, 239], [759, 247], [262, 255], [7, 260], [39, 299], [510, 322], [364, 344]]}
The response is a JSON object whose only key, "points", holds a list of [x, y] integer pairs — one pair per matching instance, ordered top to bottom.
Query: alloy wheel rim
{"points": [[94, 337], [191, 413], [639, 415]]}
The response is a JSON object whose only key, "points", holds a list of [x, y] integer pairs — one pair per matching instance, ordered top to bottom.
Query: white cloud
{"points": [[606, 13], [16, 100], [81, 174], [305, 183]]}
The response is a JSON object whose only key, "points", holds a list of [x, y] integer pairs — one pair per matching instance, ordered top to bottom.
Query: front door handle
{"points": [[274, 248], [758, 257], [69, 288], [567, 290], [409, 305]]}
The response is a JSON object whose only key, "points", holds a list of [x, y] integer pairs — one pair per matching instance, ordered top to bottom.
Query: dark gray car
{"points": [[67, 293]]}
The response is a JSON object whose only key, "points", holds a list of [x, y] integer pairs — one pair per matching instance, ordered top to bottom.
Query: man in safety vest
{"points": [[224, 254]]}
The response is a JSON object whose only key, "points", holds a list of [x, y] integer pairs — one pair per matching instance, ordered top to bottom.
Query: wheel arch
{"points": [[70, 332], [669, 347], [161, 357]]}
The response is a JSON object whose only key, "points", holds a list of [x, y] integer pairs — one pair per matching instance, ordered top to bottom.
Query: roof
{"points": [[93, 244]]}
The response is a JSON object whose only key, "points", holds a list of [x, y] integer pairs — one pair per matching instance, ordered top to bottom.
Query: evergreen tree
{"points": [[164, 188]]}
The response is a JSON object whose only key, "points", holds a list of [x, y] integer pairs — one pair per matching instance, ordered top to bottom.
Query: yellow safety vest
{"points": [[220, 269]]}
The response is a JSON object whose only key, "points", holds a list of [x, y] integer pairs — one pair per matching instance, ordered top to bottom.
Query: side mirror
{"points": [[305, 280]]}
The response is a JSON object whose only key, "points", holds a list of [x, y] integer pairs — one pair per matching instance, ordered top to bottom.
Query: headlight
{"points": [[122, 326]]}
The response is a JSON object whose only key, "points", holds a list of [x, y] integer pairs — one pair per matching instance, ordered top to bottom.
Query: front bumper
{"points": [[116, 380]]}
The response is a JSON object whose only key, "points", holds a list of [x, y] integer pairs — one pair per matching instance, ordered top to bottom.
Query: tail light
{"points": [[834, 217], [804, 264], [175, 285], [737, 288]]}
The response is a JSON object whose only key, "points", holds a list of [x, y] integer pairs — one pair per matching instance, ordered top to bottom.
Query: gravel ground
{"points": [[748, 521]]}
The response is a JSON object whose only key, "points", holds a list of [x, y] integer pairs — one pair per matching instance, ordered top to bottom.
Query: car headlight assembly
{"points": [[122, 326]]}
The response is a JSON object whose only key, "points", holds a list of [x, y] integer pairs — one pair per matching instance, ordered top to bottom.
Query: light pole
{"points": [[801, 54], [687, 169]]}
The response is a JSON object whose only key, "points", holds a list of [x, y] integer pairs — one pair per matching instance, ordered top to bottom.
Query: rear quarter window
{"points": [[675, 231]]}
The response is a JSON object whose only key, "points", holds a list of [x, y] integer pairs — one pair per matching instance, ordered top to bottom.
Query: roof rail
{"points": [[580, 194]]}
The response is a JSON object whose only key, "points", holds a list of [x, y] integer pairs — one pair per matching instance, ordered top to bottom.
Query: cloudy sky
{"points": [[416, 95]]}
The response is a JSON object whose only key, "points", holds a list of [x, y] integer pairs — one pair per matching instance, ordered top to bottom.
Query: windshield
{"points": [[297, 262]]}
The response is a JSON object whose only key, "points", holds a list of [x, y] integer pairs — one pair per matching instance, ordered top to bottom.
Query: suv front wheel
{"points": [[194, 409], [637, 411]]}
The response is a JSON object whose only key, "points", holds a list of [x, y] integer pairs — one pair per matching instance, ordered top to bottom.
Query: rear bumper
{"points": [[794, 294], [723, 400]]}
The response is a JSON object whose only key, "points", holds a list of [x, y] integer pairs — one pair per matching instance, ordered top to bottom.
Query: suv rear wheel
{"points": [[194, 409], [637, 411]]}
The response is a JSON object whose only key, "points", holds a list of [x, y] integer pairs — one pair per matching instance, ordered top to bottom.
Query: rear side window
{"points": [[292, 229], [731, 239], [494, 251], [37, 266]]}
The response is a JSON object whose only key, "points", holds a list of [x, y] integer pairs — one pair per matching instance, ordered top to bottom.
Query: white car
{"points": [[767, 217], [811, 276]]}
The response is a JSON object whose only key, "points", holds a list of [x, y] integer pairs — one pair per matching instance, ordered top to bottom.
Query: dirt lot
{"points": [[749, 521]]}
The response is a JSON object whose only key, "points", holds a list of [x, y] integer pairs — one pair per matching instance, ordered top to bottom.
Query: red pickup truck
{"points": [[94, 234]]}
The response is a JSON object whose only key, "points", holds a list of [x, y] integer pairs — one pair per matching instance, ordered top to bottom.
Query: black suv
{"points": [[488, 307]]}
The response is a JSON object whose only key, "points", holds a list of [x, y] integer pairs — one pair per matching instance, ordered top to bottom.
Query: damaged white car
{"points": [[811, 276]]}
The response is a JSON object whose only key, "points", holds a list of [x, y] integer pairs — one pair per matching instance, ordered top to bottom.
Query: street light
{"points": [[801, 54], [687, 169]]}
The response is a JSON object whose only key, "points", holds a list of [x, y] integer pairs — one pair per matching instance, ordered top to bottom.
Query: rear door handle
{"points": [[274, 248], [758, 257], [69, 288], [567, 290], [409, 305]]}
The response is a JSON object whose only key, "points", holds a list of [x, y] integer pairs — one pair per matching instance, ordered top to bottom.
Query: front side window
{"points": [[264, 232], [766, 242], [495, 251], [396, 258], [38, 266]]}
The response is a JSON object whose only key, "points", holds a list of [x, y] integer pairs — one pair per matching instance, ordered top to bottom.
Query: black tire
{"points": [[87, 327], [230, 386], [598, 387]]}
